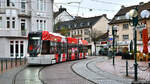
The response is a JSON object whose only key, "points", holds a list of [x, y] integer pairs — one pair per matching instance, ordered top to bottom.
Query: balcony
{"points": [[24, 13], [23, 33]]}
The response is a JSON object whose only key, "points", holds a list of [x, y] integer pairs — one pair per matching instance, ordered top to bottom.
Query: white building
{"points": [[62, 15], [17, 18]]}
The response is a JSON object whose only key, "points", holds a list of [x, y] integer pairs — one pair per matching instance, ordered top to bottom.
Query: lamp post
{"points": [[133, 16], [114, 33]]}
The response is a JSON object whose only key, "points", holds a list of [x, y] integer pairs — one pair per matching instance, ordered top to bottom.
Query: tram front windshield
{"points": [[34, 45]]}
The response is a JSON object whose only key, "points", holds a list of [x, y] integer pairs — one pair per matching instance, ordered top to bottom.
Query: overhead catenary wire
{"points": [[106, 2], [89, 8]]}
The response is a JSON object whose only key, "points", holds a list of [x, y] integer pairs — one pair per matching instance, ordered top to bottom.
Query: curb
{"points": [[80, 75]]}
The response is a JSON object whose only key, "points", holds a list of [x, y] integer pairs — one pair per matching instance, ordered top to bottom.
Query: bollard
{"points": [[20, 60], [25, 60], [15, 61], [11, 63], [6, 64], [1, 65], [126, 67]]}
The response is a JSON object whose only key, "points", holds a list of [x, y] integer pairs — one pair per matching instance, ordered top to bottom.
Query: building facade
{"points": [[62, 15], [17, 19], [82, 28], [125, 30]]}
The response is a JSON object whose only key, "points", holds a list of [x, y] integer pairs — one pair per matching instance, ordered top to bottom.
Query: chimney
{"points": [[141, 3], [122, 6], [61, 9], [104, 15]]}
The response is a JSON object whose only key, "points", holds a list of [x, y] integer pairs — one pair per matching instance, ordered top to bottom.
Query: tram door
{"points": [[59, 51], [76, 52]]}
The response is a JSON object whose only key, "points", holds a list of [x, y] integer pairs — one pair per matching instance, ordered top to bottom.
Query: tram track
{"points": [[27, 68], [14, 79]]}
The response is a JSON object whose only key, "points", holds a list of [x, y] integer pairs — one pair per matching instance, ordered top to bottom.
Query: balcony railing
{"points": [[24, 13], [23, 33]]}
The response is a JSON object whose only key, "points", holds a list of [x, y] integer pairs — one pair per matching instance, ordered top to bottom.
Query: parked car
{"points": [[103, 51]]}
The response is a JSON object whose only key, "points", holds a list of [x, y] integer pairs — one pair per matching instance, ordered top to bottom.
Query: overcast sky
{"points": [[89, 8]]}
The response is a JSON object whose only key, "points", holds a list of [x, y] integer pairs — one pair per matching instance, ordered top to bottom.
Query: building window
{"points": [[8, 2], [11, 2], [0, 3], [23, 5], [41, 5], [0, 22], [8, 22], [13, 22], [23, 22], [37, 22], [88, 23], [41, 24], [44, 24], [81, 24], [75, 25], [69, 26], [125, 26], [86, 31], [141, 34], [125, 37], [11, 48], [16, 48], [21, 48]]}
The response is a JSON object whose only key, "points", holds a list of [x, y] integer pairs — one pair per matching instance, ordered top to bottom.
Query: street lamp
{"points": [[133, 16], [114, 33]]}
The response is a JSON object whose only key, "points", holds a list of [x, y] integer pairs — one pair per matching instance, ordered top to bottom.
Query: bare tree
{"points": [[97, 35]]}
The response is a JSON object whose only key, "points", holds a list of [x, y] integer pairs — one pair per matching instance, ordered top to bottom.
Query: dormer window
{"points": [[121, 17], [88, 23], [81, 24], [75, 25], [69, 26]]}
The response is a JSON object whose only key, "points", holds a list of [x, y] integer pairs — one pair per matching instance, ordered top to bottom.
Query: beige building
{"points": [[82, 28], [125, 31]]}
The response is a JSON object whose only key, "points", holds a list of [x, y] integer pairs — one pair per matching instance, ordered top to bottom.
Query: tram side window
{"points": [[46, 47], [52, 47], [62, 47], [65, 47], [80, 49]]}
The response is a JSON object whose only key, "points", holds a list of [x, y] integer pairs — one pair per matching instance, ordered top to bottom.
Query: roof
{"points": [[61, 9], [124, 10], [56, 14], [80, 22]]}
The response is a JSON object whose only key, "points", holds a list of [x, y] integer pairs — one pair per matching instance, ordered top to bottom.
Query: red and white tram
{"points": [[49, 48]]}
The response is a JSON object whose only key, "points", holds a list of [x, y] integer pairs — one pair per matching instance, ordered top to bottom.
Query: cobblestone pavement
{"points": [[120, 68], [90, 71], [62, 74]]}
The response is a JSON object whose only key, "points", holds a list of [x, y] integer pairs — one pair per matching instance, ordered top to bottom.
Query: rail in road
{"points": [[51, 74], [29, 75], [97, 75]]}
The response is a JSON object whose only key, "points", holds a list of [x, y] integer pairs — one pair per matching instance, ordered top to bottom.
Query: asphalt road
{"points": [[53, 74], [62, 74], [30, 75]]}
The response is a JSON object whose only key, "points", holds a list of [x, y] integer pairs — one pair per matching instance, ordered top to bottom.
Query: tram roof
{"points": [[72, 40], [84, 42]]}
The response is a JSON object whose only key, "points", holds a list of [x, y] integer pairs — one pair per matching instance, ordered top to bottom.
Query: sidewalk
{"points": [[7, 65], [120, 68], [89, 70], [8, 76]]}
